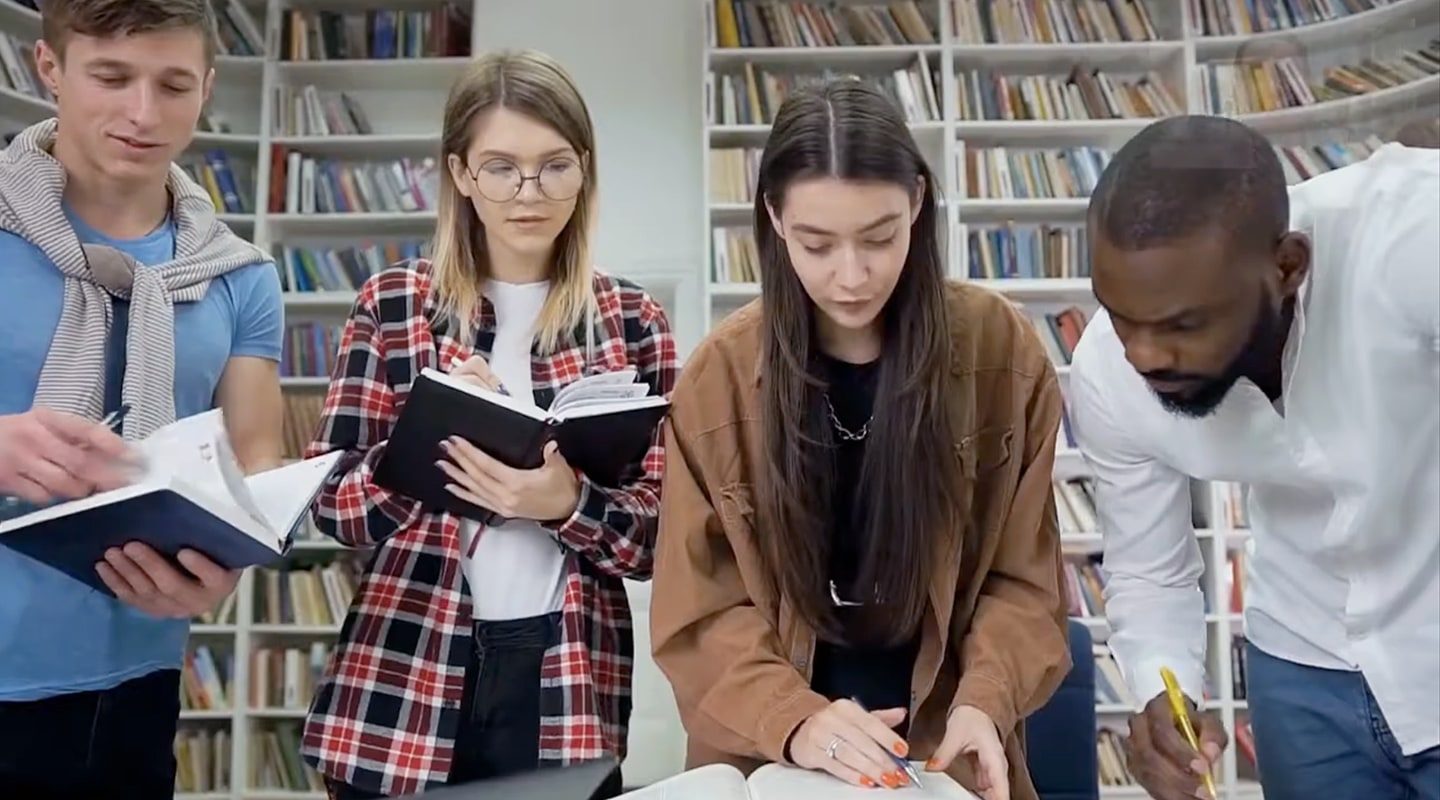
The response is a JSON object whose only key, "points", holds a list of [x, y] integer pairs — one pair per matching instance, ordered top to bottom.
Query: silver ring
{"points": [[833, 746]]}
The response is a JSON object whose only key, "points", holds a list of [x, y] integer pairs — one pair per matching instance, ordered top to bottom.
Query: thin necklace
{"points": [[846, 433]]}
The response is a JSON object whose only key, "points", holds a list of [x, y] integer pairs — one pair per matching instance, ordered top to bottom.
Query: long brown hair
{"points": [[533, 84], [909, 474]]}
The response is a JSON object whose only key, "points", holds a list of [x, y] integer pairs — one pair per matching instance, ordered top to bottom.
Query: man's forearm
{"points": [[1154, 626]]}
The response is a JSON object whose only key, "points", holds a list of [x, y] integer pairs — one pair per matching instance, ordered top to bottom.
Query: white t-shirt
{"points": [[515, 569]]}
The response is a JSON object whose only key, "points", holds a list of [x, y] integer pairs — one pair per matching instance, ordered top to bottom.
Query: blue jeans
{"points": [[1319, 733]]}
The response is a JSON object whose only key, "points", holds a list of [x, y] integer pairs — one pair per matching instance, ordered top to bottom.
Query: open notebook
{"points": [[603, 424], [192, 495], [782, 782]]}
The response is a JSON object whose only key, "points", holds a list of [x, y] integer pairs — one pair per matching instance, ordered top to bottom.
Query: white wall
{"points": [[639, 64]]}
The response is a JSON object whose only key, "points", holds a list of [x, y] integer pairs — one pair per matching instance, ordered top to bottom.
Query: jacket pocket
{"points": [[985, 460]]}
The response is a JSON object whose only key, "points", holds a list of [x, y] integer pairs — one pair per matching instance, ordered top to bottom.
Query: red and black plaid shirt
{"points": [[385, 716]]}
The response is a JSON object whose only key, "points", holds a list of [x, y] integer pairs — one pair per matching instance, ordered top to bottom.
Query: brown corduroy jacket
{"points": [[994, 633]]}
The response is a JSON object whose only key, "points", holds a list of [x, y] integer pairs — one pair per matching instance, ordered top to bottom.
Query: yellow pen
{"points": [[1177, 708]]}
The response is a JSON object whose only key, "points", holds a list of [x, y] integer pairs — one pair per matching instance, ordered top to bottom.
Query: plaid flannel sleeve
{"points": [[357, 416], [615, 528]]}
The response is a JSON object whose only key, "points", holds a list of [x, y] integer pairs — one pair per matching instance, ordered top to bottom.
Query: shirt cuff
{"points": [[584, 524], [1147, 684]]}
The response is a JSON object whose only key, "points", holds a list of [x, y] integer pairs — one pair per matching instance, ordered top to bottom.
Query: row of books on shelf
{"points": [[1231, 18], [1051, 21], [750, 23], [240, 33], [376, 33], [18, 58], [1271, 85], [753, 94], [1082, 94], [310, 111], [1015, 173], [230, 183], [301, 184], [1028, 250], [331, 269], [1060, 332], [309, 350], [299, 421], [1075, 506], [1085, 588], [312, 596], [286, 677], [205, 679], [1110, 754], [202, 760], [275, 762]]}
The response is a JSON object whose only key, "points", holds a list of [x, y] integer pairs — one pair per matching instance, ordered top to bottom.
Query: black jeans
{"points": [[500, 713], [115, 743]]}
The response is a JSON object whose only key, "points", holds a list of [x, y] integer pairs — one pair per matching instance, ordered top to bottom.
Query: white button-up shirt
{"points": [[1344, 472]]}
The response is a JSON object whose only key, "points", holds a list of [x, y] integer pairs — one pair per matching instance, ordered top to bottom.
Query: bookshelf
{"points": [[1016, 167]]}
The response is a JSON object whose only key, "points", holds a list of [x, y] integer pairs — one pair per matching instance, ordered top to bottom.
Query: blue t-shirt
{"points": [[58, 635]]}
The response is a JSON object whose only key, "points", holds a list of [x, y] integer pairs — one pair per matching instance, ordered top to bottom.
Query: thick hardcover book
{"points": [[603, 424], [192, 496]]}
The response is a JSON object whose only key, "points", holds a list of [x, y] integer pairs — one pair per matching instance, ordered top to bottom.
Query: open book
{"points": [[602, 423], [192, 495], [783, 782]]}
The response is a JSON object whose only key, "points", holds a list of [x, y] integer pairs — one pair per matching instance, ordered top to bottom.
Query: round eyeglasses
{"points": [[501, 180]]}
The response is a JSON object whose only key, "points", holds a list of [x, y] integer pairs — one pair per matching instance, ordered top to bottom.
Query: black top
{"points": [[877, 675]]}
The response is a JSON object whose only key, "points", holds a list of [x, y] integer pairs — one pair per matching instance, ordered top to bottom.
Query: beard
{"points": [[1266, 338]]}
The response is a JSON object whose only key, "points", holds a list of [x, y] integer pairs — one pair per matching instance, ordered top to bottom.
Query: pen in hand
{"points": [[489, 378], [1182, 718], [903, 763]]}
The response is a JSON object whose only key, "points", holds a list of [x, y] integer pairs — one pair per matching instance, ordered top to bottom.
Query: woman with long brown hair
{"points": [[858, 548], [472, 651]]}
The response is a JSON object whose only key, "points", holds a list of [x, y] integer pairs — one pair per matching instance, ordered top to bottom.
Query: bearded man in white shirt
{"points": [[1290, 341]]}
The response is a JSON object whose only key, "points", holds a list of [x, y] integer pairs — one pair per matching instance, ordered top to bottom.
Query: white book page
{"points": [[592, 383], [627, 391], [516, 404], [602, 407], [196, 451], [284, 494], [711, 782], [782, 782]]}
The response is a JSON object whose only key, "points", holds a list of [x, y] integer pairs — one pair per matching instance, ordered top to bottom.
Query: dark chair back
{"points": [[1060, 738]]}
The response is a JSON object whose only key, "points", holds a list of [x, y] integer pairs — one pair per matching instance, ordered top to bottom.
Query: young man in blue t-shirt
{"points": [[117, 286]]}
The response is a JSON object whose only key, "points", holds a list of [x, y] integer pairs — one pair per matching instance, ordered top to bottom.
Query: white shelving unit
{"points": [[1178, 58], [404, 100]]}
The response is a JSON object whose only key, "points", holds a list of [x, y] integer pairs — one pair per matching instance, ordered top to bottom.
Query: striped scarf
{"points": [[32, 183]]}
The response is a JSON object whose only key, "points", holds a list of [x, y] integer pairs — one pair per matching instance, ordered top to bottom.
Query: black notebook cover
{"points": [[601, 447], [165, 520]]}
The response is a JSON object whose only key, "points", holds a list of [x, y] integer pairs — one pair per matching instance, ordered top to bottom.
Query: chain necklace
{"points": [[846, 433]]}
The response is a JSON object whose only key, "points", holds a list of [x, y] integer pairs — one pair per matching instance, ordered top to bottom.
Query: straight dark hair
{"points": [[910, 475]]}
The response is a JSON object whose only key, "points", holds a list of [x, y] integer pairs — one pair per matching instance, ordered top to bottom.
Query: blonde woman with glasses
{"points": [[472, 651]]}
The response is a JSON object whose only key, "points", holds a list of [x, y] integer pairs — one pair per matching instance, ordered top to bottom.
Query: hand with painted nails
{"points": [[550, 492], [970, 732], [851, 743], [1160, 758]]}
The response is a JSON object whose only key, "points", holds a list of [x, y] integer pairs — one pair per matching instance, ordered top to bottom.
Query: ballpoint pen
{"points": [[1182, 718], [901, 762]]}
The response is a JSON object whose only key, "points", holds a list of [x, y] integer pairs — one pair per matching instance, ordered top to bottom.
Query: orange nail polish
{"points": [[901, 749], [904, 779], [891, 780], [866, 782]]}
